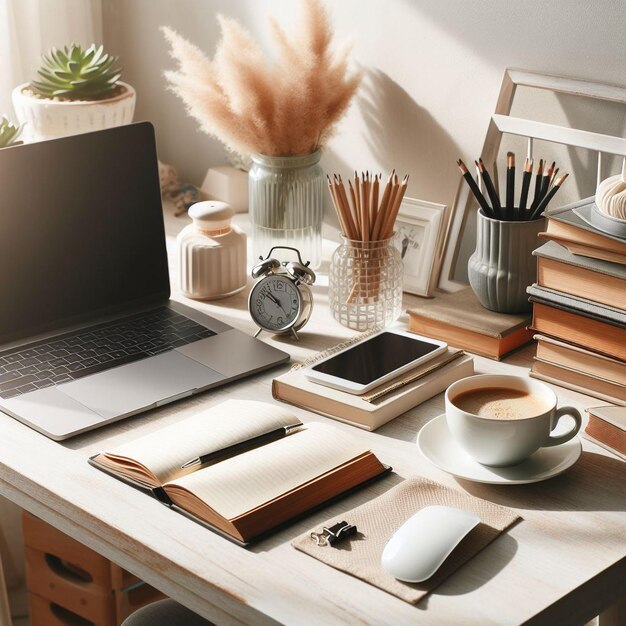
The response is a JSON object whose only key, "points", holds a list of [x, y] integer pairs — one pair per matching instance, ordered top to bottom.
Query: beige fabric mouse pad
{"points": [[377, 520]]}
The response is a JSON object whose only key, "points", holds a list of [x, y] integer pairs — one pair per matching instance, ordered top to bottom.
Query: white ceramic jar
{"points": [[211, 253]]}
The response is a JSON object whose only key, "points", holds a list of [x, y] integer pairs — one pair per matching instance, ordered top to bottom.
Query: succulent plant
{"points": [[77, 74], [9, 132]]}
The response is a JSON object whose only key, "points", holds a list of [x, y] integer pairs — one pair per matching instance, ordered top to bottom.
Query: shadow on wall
{"points": [[523, 34], [406, 136]]}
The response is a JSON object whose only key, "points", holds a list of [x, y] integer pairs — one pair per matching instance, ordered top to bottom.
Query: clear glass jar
{"points": [[286, 204], [365, 283]]}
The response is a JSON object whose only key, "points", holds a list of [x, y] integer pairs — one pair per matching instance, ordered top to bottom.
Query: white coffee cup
{"points": [[497, 441]]}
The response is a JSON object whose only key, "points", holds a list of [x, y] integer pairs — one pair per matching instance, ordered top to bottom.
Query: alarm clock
{"points": [[281, 301]]}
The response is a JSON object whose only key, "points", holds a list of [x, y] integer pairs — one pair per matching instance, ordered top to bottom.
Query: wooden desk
{"points": [[563, 564]]}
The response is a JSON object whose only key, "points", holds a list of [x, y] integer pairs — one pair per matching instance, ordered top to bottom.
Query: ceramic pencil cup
{"points": [[503, 266]]}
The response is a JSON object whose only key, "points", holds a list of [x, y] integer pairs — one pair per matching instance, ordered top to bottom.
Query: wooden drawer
{"points": [[45, 538], [71, 584], [69, 587], [44, 612]]}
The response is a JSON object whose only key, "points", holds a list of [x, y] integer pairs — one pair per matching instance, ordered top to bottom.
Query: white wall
{"points": [[433, 71]]}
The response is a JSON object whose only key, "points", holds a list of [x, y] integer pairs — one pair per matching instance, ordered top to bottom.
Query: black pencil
{"points": [[526, 176], [538, 178], [553, 178], [545, 182], [475, 190], [491, 190], [544, 203], [511, 212]]}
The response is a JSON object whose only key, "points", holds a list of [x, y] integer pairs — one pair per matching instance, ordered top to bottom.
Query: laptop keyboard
{"points": [[76, 355]]}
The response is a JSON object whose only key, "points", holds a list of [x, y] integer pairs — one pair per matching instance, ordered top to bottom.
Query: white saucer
{"points": [[436, 443]]}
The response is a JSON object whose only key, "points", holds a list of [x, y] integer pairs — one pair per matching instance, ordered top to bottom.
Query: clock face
{"points": [[275, 303]]}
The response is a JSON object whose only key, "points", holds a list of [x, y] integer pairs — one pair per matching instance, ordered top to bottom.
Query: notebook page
{"points": [[230, 422], [240, 484]]}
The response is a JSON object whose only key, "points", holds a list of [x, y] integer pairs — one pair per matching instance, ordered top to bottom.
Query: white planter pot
{"points": [[47, 119]]}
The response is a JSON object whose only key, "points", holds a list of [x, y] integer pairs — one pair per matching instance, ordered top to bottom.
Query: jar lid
{"points": [[211, 214]]}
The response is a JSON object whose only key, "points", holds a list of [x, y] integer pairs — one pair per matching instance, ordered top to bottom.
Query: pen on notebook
{"points": [[273, 435]]}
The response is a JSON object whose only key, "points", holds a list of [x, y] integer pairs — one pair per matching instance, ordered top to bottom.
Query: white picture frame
{"points": [[502, 122], [420, 233]]}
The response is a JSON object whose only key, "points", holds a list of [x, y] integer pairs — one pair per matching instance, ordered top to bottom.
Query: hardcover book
{"points": [[580, 237], [585, 277], [575, 304], [461, 321], [587, 332], [578, 359], [583, 383], [370, 411], [607, 428], [243, 492]]}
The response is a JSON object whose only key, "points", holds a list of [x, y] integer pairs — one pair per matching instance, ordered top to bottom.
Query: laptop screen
{"points": [[81, 229]]}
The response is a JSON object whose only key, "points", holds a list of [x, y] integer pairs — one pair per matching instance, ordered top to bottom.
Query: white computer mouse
{"points": [[419, 547]]}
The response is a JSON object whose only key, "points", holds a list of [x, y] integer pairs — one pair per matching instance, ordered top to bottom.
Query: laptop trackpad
{"points": [[141, 384]]}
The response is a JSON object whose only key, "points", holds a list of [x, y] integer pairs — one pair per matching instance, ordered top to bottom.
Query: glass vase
{"points": [[286, 204], [365, 283]]}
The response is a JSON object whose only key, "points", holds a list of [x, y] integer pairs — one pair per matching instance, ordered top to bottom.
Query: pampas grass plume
{"points": [[287, 108]]}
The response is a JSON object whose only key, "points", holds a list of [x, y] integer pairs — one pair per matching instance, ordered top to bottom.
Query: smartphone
{"points": [[364, 366]]}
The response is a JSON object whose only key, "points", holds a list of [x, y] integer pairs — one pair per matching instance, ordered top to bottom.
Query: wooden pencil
{"points": [[357, 193], [333, 197], [343, 199], [355, 206], [382, 208], [365, 210], [374, 214], [387, 230]]}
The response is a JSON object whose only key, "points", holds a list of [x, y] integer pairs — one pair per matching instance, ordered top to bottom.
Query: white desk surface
{"points": [[564, 563]]}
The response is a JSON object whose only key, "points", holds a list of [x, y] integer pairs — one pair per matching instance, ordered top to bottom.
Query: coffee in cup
{"points": [[502, 403], [502, 420]]}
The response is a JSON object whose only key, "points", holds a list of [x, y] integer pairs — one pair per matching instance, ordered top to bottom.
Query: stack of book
{"points": [[579, 306]]}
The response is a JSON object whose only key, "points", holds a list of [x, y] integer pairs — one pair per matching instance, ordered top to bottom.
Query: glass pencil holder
{"points": [[365, 283]]}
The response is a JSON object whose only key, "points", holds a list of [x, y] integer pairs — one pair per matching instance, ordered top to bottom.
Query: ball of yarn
{"points": [[611, 195]]}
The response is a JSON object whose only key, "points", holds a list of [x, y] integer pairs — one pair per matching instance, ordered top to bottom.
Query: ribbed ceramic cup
{"points": [[503, 266]]}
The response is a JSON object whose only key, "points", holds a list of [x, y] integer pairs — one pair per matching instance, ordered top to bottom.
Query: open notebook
{"points": [[244, 493]]}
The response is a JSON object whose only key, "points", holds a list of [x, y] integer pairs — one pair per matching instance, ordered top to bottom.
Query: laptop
{"points": [[88, 333]]}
